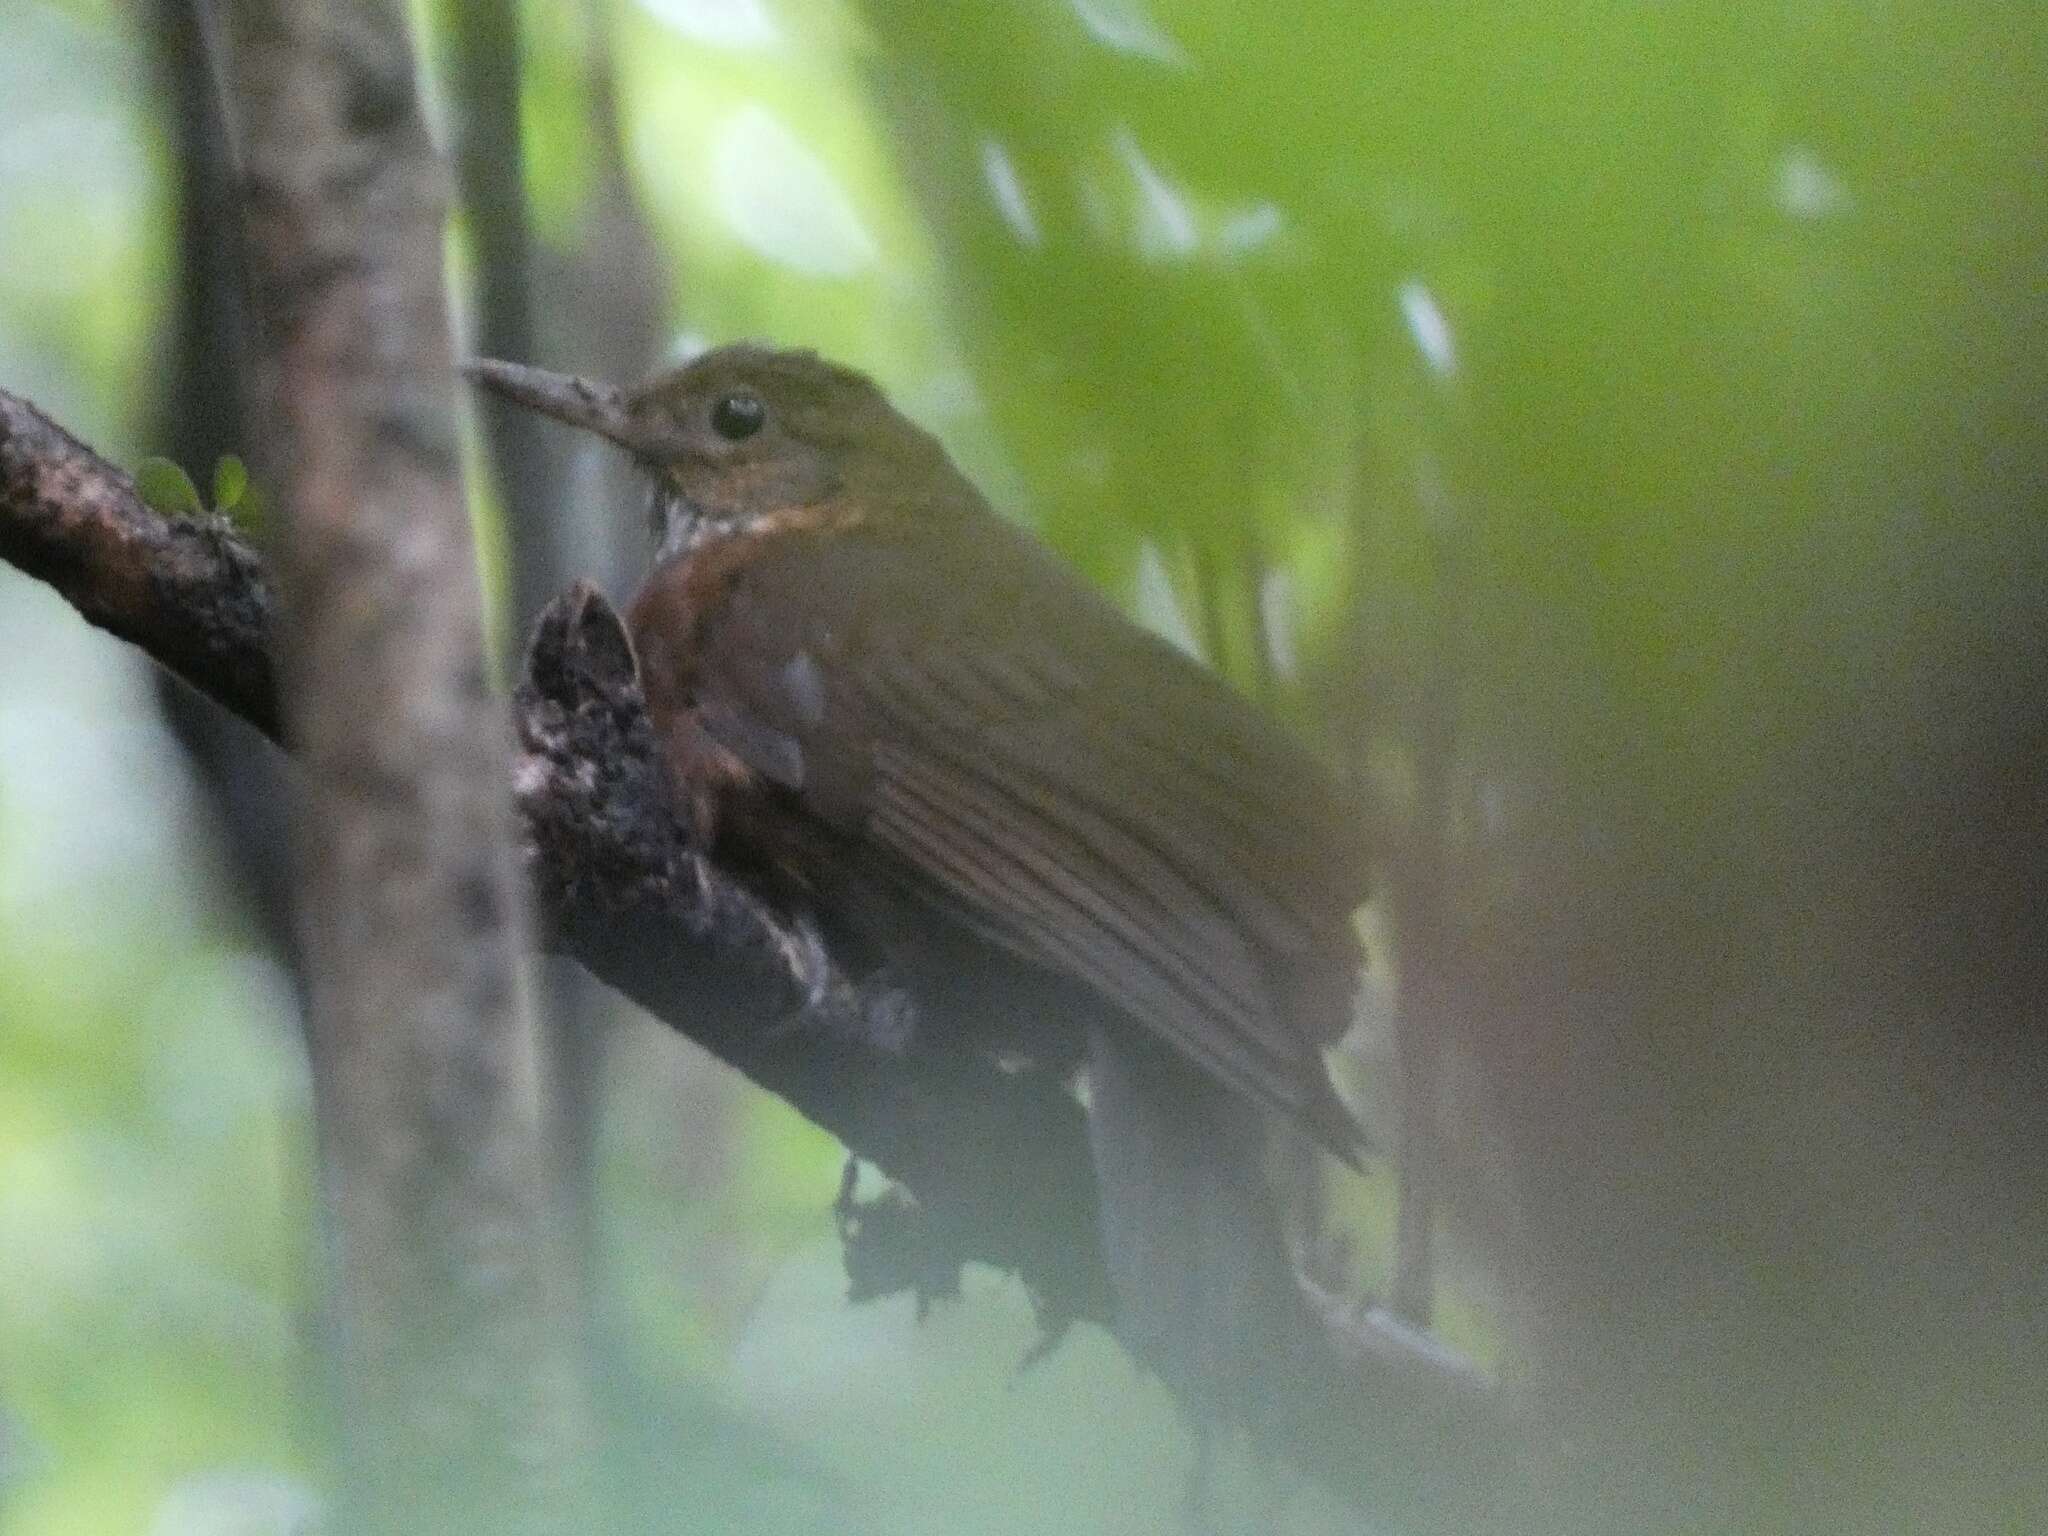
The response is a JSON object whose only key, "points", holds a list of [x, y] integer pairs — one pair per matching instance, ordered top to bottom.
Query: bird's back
{"points": [[996, 741]]}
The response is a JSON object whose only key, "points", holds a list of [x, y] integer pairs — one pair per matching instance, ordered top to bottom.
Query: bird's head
{"points": [[744, 433]]}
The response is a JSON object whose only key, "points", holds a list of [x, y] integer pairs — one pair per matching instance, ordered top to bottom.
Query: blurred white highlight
{"points": [[736, 24], [1124, 26], [1007, 188], [1807, 189], [782, 202], [1165, 223], [1426, 323]]}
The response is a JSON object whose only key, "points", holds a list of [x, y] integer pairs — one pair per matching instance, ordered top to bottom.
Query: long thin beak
{"points": [[599, 408]]}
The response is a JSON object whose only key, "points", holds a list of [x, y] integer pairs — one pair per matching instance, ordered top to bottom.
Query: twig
{"points": [[190, 593]]}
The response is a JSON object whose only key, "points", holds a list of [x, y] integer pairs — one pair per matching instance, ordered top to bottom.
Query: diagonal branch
{"points": [[190, 593], [995, 1162]]}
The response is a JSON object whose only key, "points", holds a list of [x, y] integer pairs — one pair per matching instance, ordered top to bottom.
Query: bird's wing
{"points": [[1048, 774]]}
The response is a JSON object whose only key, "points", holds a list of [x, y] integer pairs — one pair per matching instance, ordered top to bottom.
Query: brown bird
{"points": [[894, 707]]}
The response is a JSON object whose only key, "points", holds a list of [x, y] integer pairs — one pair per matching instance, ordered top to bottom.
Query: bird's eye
{"points": [[737, 415]]}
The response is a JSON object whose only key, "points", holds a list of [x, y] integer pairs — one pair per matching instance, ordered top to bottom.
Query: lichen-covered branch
{"points": [[190, 593], [619, 890]]}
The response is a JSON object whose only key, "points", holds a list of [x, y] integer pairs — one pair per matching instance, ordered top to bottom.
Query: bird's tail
{"points": [[1206, 1296]]}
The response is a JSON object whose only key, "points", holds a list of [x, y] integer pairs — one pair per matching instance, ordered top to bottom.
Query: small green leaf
{"points": [[230, 483], [167, 488], [250, 510]]}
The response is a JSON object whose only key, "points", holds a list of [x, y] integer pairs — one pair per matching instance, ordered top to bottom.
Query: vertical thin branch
{"points": [[485, 62], [490, 169], [610, 306], [200, 414], [559, 528], [1209, 621], [1267, 645], [1422, 917], [1419, 925], [463, 1405]]}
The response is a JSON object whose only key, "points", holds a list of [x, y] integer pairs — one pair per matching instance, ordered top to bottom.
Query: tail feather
{"points": [[1206, 1297]]}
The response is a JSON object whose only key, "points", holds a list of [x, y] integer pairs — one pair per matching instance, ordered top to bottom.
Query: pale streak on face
{"points": [[679, 526]]}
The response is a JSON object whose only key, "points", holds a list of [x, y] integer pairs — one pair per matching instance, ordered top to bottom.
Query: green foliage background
{"points": [[1694, 351]]}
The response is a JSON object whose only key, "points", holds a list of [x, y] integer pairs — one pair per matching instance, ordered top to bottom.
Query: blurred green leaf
{"points": [[230, 483], [168, 488]]}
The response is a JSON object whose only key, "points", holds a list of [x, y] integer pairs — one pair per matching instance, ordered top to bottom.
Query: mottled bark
{"points": [[191, 593], [460, 1362]]}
